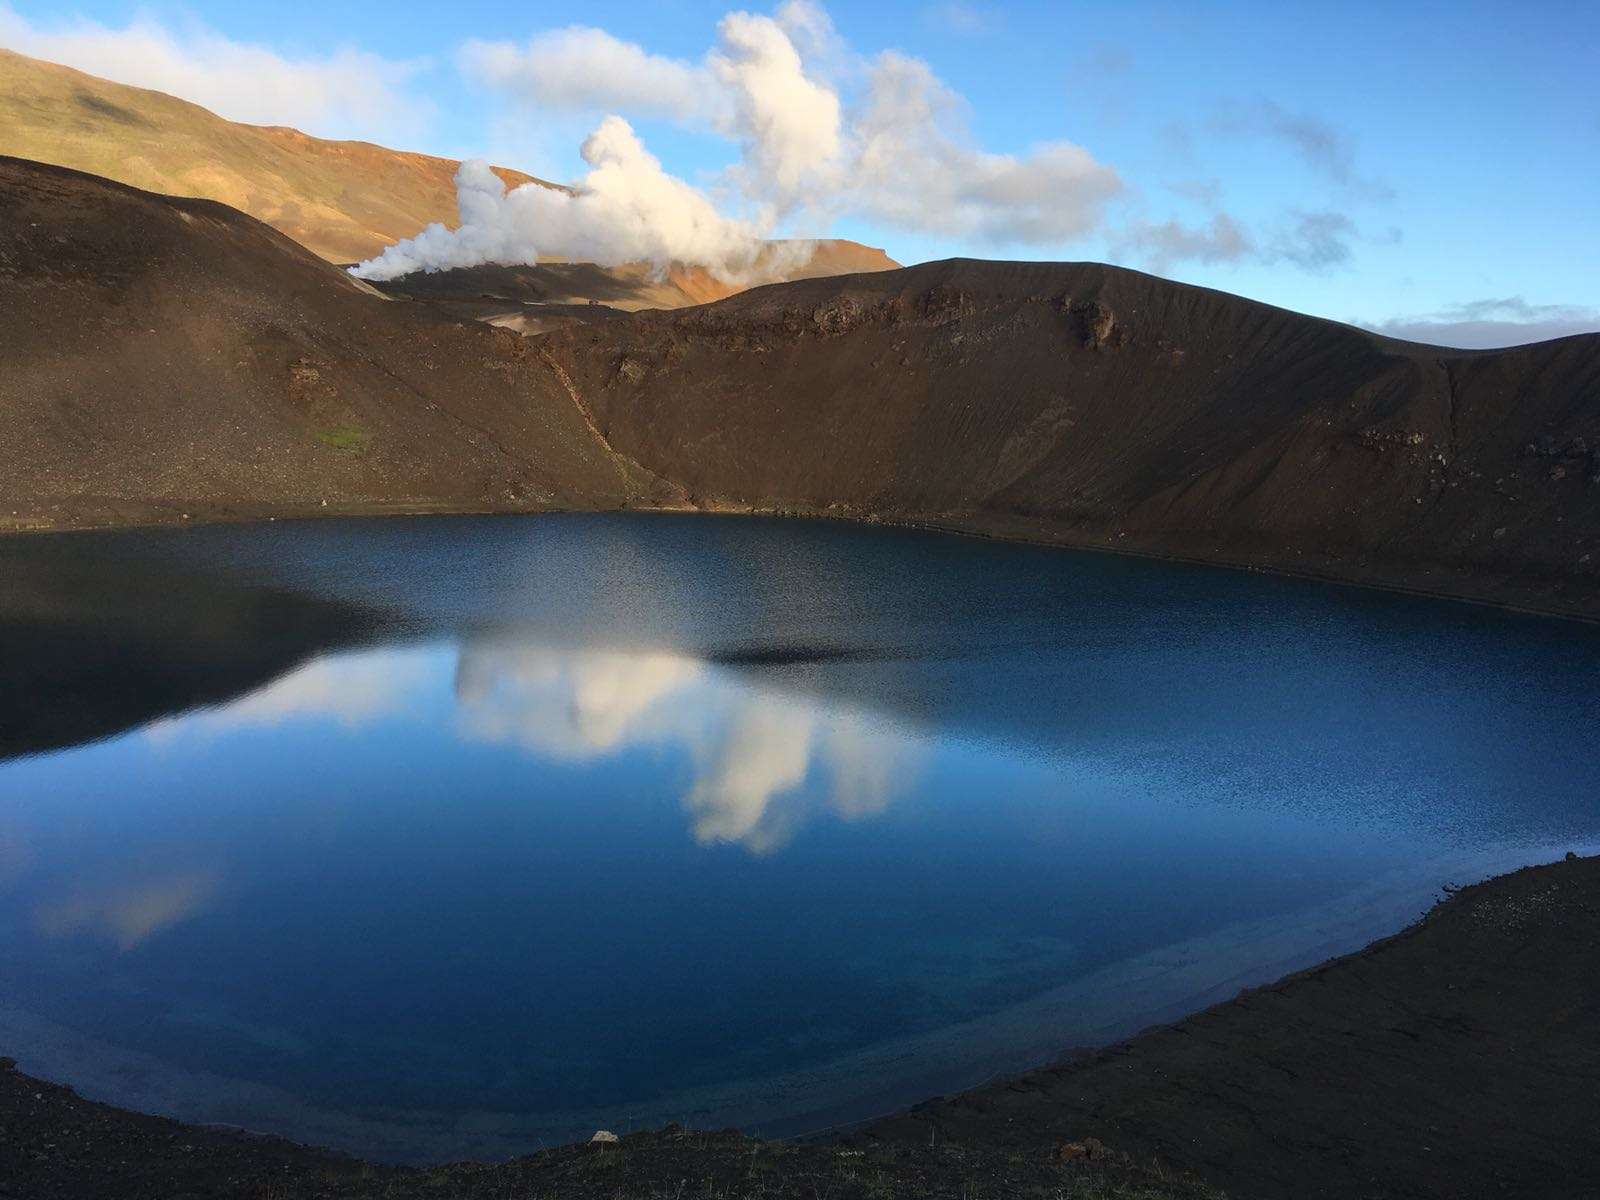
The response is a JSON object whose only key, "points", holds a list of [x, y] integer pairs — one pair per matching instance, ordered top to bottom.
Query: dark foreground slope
{"points": [[166, 357], [1098, 406], [1459, 1059]]}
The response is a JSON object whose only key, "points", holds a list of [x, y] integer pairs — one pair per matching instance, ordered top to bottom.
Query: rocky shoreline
{"points": [[1457, 1058]]}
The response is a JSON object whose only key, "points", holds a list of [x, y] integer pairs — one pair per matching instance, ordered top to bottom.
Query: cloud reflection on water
{"points": [[352, 690], [571, 706], [753, 751], [762, 760], [131, 911]]}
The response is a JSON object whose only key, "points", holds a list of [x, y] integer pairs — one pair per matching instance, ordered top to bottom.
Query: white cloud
{"points": [[810, 28], [586, 69], [347, 93], [787, 124], [897, 153], [914, 169], [764, 754], [750, 785]]}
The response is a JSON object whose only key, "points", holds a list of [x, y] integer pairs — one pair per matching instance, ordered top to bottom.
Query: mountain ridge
{"points": [[216, 369], [1120, 411]]}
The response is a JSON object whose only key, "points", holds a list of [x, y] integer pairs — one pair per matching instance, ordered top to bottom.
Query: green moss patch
{"points": [[345, 437]]}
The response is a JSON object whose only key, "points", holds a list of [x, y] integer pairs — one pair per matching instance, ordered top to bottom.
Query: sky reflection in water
{"points": [[496, 829]]}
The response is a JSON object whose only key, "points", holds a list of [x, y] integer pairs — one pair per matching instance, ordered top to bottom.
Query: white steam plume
{"points": [[787, 125], [898, 153], [625, 209]]}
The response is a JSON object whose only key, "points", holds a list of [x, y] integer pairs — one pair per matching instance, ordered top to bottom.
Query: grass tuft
{"points": [[346, 438]]}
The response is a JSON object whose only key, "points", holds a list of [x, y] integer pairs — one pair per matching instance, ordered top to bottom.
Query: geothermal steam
{"points": [[899, 156], [625, 209]]}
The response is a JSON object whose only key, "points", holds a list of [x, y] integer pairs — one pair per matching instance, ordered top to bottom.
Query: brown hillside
{"points": [[343, 200]]}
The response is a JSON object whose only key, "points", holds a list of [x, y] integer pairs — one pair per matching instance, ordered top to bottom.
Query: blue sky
{"points": [[1419, 163]]}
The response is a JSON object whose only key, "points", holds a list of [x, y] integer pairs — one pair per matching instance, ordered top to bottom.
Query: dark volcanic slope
{"points": [[167, 356], [1099, 406]]}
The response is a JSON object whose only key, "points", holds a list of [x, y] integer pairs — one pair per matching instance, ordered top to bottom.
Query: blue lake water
{"points": [[460, 836]]}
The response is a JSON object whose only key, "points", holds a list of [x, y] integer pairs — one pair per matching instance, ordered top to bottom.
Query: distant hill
{"points": [[342, 200], [345, 201], [500, 294], [168, 358]]}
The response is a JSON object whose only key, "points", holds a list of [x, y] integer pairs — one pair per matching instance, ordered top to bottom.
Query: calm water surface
{"points": [[463, 835]]}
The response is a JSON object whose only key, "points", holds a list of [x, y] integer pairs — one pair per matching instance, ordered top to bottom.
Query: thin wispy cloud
{"points": [[959, 17], [1106, 60], [1320, 145], [1311, 241], [1164, 244], [1492, 322], [352, 690]]}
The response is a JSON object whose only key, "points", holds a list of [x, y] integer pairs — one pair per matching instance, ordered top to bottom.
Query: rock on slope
{"points": [[167, 357], [1098, 406]]}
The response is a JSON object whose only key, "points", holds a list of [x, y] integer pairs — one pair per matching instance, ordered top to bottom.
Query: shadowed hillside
{"points": [[169, 357], [1098, 406]]}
